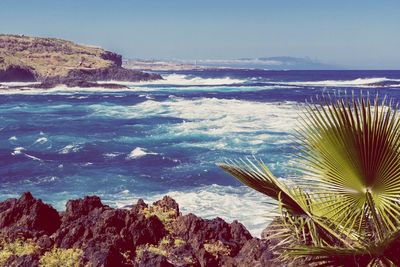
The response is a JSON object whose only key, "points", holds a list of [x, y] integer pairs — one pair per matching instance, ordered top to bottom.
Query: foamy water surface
{"points": [[164, 137]]}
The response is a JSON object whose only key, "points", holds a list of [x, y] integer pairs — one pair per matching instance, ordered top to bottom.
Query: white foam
{"points": [[180, 79], [19, 83], [344, 83], [60, 90], [229, 122], [13, 138], [41, 140], [70, 148], [17, 151], [20, 151], [139, 152], [112, 154], [33, 157], [229, 203]]}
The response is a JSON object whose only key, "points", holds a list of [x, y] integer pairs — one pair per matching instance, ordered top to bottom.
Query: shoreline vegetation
{"points": [[53, 62], [344, 210], [89, 233]]}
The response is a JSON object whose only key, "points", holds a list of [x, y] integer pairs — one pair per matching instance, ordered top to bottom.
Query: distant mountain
{"points": [[271, 63]]}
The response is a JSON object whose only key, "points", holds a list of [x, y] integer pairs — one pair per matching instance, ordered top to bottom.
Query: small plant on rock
{"points": [[17, 248], [59, 257]]}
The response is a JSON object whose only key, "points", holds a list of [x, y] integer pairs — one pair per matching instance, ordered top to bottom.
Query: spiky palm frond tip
{"points": [[350, 152]]}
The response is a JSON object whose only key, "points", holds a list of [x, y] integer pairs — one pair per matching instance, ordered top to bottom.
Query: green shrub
{"points": [[166, 216], [17, 248], [217, 249], [59, 257]]}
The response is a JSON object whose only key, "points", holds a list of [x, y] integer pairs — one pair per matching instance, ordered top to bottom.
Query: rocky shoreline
{"points": [[53, 62], [89, 233]]}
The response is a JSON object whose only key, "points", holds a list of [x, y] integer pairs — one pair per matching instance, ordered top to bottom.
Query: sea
{"points": [[166, 137]]}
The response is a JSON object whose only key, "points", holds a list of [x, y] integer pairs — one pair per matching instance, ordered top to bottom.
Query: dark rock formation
{"points": [[111, 56], [17, 73], [88, 78], [73, 83], [27, 217], [145, 235], [149, 259], [22, 261]]}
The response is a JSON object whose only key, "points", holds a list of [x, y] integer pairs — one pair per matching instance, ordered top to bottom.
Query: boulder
{"points": [[27, 217], [144, 235], [149, 259]]}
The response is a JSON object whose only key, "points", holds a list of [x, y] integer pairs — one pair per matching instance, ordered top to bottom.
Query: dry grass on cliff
{"points": [[49, 56]]}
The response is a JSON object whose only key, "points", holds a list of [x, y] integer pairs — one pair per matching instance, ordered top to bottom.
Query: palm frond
{"points": [[351, 150], [293, 199], [350, 210]]}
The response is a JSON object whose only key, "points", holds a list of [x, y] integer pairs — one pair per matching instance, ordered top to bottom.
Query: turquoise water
{"points": [[163, 137]]}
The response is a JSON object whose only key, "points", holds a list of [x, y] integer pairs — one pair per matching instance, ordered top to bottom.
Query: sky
{"points": [[354, 34]]}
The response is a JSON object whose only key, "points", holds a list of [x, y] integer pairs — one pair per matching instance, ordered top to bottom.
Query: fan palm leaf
{"points": [[351, 152], [350, 157]]}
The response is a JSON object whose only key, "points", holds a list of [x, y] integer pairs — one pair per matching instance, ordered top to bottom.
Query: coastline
{"points": [[139, 235]]}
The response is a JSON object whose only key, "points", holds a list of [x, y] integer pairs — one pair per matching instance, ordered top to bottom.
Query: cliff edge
{"points": [[54, 61], [90, 233]]}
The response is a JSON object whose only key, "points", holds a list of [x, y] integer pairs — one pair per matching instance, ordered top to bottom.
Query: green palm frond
{"points": [[351, 150], [259, 177], [293, 199], [349, 202], [382, 253]]}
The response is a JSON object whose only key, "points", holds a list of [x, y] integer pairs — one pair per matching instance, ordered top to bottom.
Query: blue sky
{"points": [[355, 34]]}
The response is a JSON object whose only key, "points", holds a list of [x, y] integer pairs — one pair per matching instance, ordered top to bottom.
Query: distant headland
{"points": [[53, 62]]}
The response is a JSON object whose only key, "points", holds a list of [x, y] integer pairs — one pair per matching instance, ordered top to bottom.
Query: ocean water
{"points": [[165, 137]]}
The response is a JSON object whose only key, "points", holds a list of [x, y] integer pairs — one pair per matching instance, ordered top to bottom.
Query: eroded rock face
{"points": [[114, 57], [55, 61], [15, 73], [111, 73], [89, 78], [27, 217], [145, 235]]}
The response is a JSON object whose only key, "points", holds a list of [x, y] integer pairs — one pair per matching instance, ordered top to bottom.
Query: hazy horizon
{"points": [[356, 35]]}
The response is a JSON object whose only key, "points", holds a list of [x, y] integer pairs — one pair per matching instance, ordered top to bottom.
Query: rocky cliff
{"points": [[52, 61], [90, 233]]}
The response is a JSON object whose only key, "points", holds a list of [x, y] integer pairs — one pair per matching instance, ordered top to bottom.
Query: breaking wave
{"points": [[187, 80], [360, 82], [227, 202]]}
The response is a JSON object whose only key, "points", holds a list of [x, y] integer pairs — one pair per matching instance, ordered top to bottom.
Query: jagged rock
{"points": [[114, 57], [106, 74], [88, 78], [74, 83], [168, 203], [140, 205], [81, 207], [27, 217], [197, 231], [105, 233], [138, 236], [45, 242], [255, 252], [98, 256], [149, 259], [22, 261]]}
